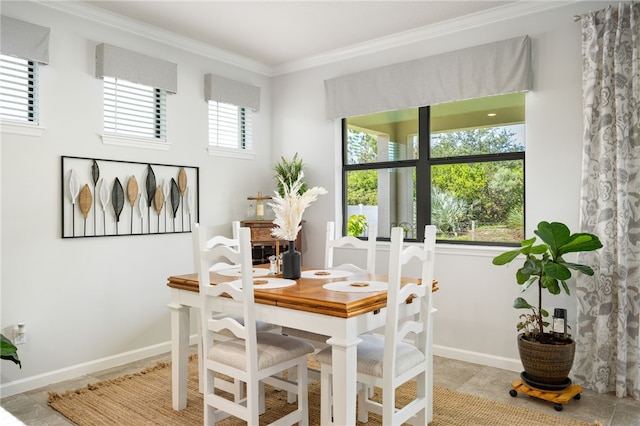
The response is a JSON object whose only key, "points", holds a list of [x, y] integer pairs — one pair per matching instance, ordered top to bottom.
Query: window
{"points": [[18, 90], [134, 109], [229, 126], [458, 165]]}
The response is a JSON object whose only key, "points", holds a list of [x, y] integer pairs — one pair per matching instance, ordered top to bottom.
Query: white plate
{"points": [[236, 272], [326, 273], [269, 285], [359, 286]]}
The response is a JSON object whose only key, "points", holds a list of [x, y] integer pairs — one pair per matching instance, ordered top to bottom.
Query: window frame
{"points": [[423, 165]]}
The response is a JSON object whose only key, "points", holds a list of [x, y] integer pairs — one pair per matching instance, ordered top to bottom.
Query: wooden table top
{"points": [[308, 295]]}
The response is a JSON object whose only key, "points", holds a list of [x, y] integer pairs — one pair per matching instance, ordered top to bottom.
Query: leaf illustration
{"points": [[95, 172], [182, 180], [151, 185], [74, 186], [166, 188], [132, 190], [104, 194], [175, 197], [117, 198], [86, 200], [158, 200], [189, 200], [142, 206]]}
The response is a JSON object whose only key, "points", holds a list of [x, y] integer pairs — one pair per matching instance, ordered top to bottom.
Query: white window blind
{"points": [[18, 89], [134, 109], [229, 126]]}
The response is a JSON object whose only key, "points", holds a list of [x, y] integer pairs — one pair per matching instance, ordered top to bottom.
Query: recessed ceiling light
{"points": [[491, 114]]}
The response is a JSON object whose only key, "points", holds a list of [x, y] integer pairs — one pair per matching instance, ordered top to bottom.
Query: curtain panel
{"points": [[24, 40], [112, 61], [491, 69], [221, 89], [607, 337]]}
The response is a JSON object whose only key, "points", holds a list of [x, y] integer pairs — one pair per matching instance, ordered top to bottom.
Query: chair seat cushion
{"points": [[260, 325], [294, 332], [273, 348], [371, 356]]}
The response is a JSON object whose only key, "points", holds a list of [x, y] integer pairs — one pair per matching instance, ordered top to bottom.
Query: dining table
{"points": [[320, 301]]}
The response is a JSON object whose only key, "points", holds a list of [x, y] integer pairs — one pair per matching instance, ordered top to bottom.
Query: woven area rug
{"points": [[144, 398]]}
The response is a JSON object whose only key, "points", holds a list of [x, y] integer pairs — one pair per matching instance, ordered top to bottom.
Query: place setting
{"points": [[326, 273], [266, 283], [356, 286]]}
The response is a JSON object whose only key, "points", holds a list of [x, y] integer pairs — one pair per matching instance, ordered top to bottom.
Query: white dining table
{"points": [[306, 306]]}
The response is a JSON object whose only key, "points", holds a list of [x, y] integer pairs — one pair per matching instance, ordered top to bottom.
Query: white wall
{"points": [[95, 302], [475, 321]]}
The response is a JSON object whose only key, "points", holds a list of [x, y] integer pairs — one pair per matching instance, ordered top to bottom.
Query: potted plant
{"points": [[287, 172], [8, 350], [546, 357]]}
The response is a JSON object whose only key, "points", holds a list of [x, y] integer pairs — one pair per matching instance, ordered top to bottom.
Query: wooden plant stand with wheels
{"points": [[558, 397]]}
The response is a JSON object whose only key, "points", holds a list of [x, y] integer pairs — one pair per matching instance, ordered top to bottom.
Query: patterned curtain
{"points": [[608, 329]]}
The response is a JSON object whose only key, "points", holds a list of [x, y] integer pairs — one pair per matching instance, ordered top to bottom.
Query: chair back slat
{"points": [[332, 242], [238, 298], [400, 326]]}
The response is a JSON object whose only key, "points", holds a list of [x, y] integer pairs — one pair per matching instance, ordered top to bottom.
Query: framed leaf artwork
{"points": [[103, 198]]}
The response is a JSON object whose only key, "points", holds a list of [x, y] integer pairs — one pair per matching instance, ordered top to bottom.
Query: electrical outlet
{"points": [[20, 339]]}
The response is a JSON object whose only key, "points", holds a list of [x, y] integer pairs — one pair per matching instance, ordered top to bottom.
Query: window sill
{"points": [[14, 128], [133, 142], [231, 153]]}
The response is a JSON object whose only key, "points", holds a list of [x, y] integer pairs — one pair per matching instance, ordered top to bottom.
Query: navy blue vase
{"points": [[291, 268]]}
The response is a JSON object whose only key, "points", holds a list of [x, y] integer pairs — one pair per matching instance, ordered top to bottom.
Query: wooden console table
{"points": [[263, 243]]}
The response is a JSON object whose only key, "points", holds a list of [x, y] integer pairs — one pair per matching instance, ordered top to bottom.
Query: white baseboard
{"points": [[510, 364], [74, 371]]}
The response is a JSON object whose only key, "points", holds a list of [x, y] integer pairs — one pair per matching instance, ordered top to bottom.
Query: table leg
{"points": [[179, 354], [344, 375]]}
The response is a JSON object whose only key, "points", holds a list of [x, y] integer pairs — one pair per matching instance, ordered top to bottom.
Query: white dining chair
{"points": [[368, 246], [401, 354], [250, 357], [234, 387]]}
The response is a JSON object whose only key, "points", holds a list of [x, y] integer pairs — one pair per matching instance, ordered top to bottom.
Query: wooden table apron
{"points": [[305, 306]]}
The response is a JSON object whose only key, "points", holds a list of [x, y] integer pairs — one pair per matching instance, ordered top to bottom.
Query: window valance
{"points": [[24, 40], [112, 61], [491, 69], [232, 92]]}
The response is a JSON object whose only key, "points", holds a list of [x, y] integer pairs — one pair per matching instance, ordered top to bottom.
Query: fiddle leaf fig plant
{"points": [[545, 266]]}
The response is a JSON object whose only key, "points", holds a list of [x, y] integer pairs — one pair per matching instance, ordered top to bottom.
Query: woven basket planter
{"points": [[545, 363]]}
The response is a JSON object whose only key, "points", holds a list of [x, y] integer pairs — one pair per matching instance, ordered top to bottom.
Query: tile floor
{"points": [[493, 383]]}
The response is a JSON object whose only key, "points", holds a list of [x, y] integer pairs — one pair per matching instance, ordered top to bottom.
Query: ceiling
{"points": [[276, 33]]}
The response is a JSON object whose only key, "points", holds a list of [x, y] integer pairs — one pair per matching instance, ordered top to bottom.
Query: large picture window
{"points": [[458, 165]]}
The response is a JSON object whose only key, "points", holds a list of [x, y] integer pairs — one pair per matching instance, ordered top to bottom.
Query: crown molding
{"points": [[494, 16], [479, 19], [122, 23]]}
